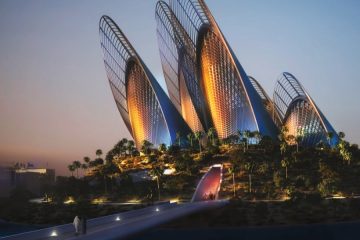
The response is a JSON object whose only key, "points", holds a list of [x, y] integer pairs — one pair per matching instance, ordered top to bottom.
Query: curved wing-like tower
{"points": [[187, 28], [177, 52], [145, 108], [299, 113]]}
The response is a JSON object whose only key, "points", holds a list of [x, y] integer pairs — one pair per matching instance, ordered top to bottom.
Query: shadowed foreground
{"points": [[341, 231]]}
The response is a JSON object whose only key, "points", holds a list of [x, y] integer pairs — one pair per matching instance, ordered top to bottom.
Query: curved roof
{"points": [[187, 22], [119, 55], [178, 62], [293, 102]]}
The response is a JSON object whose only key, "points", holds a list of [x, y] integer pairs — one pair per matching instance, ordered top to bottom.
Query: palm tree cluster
{"points": [[255, 157], [86, 164]]}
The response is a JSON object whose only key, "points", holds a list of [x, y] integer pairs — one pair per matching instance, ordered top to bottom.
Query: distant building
{"points": [[33, 179]]}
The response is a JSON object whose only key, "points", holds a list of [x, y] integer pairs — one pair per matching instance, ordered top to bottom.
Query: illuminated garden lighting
{"points": [[169, 171], [69, 200], [99, 200], [174, 200], [134, 201], [157, 210], [117, 218], [53, 234]]}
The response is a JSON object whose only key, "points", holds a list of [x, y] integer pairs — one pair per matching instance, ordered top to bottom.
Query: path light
{"points": [[69, 200], [174, 200], [157, 210], [117, 218], [53, 234]]}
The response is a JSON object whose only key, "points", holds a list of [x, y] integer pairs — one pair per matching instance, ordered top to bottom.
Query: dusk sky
{"points": [[55, 102]]}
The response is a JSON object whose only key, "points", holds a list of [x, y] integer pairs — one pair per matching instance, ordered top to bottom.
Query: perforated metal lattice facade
{"points": [[193, 47], [177, 52], [116, 53], [228, 104], [144, 106], [299, 113], [147, 120]]}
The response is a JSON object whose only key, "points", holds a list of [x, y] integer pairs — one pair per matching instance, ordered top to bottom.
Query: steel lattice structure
{"points": [[177, 52], [196, 56], [207, 85], [268, 103], [145, 108], [299, 113]]}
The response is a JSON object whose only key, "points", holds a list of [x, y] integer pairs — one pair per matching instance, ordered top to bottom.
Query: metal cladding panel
{"points": [[115, 56], [178, 63], [225, 95], [233, 103], [268, 103], [148, 112], [299, 112], [146, 117], [173, 119], [265, 123]]}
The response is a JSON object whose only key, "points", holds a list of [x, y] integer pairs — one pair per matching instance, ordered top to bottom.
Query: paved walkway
{"points": [[125, 224], [120, 225]]}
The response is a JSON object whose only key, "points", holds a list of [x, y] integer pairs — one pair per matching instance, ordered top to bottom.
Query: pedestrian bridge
{"points": [[209, 185], [125, 224]]}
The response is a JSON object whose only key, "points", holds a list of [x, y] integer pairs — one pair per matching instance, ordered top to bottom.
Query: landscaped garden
{"points": [[267, 181]]}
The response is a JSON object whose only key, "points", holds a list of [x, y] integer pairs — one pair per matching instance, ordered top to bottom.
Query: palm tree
{"points": [[283, 131], [211, 134], [240, 134], [246, 135], [341, 135], [198, 136], [252, 136], [257, 136], [190, 137], [329, 137], [298, 140], [123, 146], [130, 146], [146, 146], [283, 146], [162, 147], [344, 151], [99, 153], [347, 156], [86, 160], [285, 164], [77, 165], [84, 166], [249, 167], [71, 168], [263, 168], [106, 171], [231, 171], [156, 173]]}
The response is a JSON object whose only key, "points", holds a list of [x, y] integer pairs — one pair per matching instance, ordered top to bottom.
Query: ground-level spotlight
{"points": [[157, 210], [117, 218], [53, 234]]}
